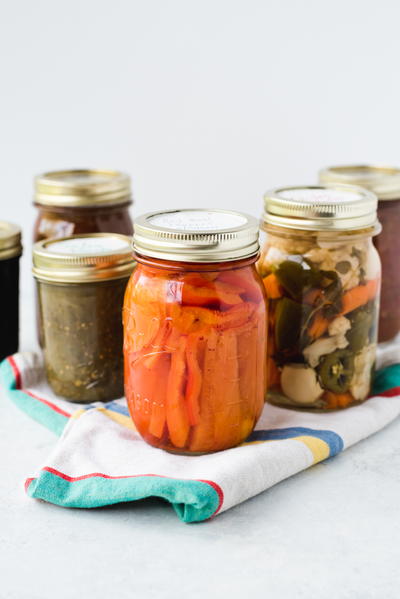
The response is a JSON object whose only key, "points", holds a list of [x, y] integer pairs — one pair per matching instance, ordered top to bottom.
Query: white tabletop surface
{"points": [[331, 531]]}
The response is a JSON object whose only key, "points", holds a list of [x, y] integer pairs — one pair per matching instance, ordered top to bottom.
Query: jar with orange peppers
{"points": [[384, 182], [321, 273], [195, 330]]}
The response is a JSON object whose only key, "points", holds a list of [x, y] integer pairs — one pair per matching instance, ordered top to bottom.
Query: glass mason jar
{"points": [[385, 183], [74, 202], [10, 252], [321, 273], [81, 282], [195, 330]]}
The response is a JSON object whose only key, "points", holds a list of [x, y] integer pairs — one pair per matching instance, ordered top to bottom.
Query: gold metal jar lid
{"points": [[383, 181], [82, 188], [321, 208], [196, 235], [10, 241], [83, 258]]}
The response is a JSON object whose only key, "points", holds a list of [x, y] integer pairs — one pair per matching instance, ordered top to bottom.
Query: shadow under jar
{"points": [[384, 182], [10, 252], [321, 273], [81, 282], [195, 330]]}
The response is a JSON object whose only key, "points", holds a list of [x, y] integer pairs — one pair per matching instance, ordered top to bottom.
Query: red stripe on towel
{"points": [[16, 372], [388, 392], [48, 403], [73, 479]]}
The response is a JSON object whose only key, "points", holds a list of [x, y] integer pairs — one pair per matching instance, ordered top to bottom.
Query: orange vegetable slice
{"points": [[245, 280], [272, 286], [360, 295], [194, 380], [159, 396], [337, 400], [177, 418], [203, 435]]}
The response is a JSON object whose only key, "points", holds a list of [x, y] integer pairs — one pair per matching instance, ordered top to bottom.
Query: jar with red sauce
{"points": [[384, 182], [73, 202], [195, 330]]}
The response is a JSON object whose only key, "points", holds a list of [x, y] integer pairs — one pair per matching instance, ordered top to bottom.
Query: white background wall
{"points": [[203, 102]]}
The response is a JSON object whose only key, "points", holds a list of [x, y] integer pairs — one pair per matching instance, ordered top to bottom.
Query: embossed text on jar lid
{"points": [[383, 181], [82, 187], [321, 208], [196, 235], [10, 240], [83, 258]]}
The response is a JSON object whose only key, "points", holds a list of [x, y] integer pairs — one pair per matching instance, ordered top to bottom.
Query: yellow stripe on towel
{"points": [[125, 421], [319, 448]]}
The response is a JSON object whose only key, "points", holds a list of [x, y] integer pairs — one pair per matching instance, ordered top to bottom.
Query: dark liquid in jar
{"points": [[388, 246], [9, 313]]}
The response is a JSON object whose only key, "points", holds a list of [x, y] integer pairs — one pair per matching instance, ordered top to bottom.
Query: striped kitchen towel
{"points": [[99, 458]]}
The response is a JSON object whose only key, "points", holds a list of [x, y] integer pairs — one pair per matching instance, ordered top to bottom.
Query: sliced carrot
{"points": [[272, 286], [360, 295], [312, 296], [318, 327], [247, 364], [194, 380], [138, 389], [159, 396], [337, 400], [227, 403], [177, 418], [203, 435]]}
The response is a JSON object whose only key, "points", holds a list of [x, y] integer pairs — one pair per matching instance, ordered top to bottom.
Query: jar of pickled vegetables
{"points": [[385, 183], [10, 252], [321, 273], [81, 282], [195, 330]]}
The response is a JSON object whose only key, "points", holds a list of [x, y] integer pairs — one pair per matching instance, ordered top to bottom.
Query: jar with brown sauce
{"points": [[384, 182], [76, 202]]}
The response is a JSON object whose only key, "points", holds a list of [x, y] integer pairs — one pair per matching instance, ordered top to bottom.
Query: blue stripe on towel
{"points": [[333, 440]]}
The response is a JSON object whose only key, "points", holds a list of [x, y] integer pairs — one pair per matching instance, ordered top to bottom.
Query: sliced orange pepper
{"points": [[245, 280], [211, 294], [247, 363], [194, 380], [159, 396], [227, 402], [177, 418], [203, 435]]}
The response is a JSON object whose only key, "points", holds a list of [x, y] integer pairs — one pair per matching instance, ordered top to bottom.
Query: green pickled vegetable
{"points": [[291, 276], [288, 323], [358, 334], [336, 371]]}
